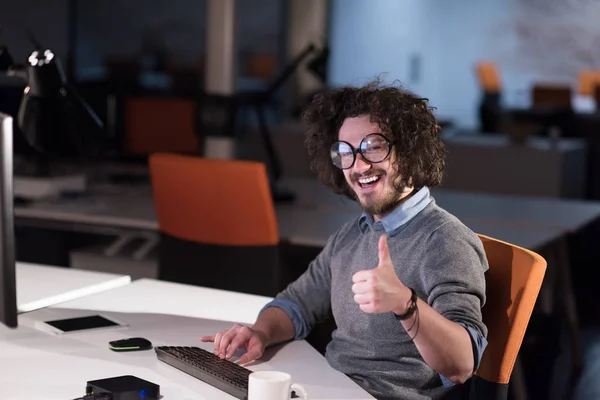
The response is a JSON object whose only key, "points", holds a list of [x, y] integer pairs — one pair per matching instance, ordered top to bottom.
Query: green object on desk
{"points": [[131, 344]]}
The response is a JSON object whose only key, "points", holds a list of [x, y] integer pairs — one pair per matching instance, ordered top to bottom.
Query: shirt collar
{"points": [[400, 215]]}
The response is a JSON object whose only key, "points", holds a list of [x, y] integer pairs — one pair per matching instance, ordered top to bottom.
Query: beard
{"points": [[386, 198], [377, 204]]}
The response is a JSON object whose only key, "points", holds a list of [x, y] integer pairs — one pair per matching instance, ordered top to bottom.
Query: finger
{"points": [[384, 251], [361, 276], [362, 287], [362, 299], [368, 307], [207, 338], [241, 338], [226, 340], [217, 344], [255, 351]]}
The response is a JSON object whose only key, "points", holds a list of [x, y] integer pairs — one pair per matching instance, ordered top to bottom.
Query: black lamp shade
{"points": [[6, 60], [53, 117]]}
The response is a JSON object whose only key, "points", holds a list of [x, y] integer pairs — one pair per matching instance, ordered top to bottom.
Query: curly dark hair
{"points": [[403, 116]]}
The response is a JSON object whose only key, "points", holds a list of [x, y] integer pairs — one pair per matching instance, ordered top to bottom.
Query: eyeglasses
{"points": [[374, 148]]}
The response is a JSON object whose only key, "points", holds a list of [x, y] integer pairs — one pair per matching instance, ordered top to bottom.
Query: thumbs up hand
{"points": [[379, 290]]}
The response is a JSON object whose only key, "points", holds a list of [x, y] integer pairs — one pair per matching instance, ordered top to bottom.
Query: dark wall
{"points": [[125, 27]]}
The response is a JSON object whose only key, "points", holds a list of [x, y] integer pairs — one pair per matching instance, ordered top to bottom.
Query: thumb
{"points": [[384, 252], [255, 350]]}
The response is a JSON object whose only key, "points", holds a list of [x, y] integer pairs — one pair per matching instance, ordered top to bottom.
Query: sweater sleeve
{"points": [[454, 280], [307, 300]]}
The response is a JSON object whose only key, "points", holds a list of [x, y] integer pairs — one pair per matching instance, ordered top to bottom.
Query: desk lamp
{"points": [[53, 116], [216, 117], [56, 122]]}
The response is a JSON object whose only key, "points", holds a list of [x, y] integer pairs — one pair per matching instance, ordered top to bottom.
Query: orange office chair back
{"points": [[488, 76], [588, 80], [160, 124], [217, 222], [513, 280]]}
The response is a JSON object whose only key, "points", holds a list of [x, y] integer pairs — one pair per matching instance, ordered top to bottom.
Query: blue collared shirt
{"points": [[397, 219], [391, 224]]}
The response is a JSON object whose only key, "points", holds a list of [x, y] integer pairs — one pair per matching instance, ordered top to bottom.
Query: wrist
{"points": [[402, 301], [407, 304], [263, 335]]}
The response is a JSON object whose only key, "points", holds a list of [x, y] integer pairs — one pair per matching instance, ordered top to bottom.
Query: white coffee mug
{"points": [[273, 385]]}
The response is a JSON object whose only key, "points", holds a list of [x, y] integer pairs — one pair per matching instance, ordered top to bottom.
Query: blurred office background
{"points": [[514, 83]]}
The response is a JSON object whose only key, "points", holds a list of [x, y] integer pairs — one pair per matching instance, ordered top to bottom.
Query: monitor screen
{"points": [[8, 287]]}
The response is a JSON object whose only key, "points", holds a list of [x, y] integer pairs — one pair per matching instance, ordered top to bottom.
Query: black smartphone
{"points": [[78, 324]]}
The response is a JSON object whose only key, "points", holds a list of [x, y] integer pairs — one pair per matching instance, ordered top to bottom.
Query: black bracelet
{"points": [[411, 308]]}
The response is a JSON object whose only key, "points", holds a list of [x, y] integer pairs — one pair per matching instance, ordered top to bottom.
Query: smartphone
{"points": [[79, 324]]}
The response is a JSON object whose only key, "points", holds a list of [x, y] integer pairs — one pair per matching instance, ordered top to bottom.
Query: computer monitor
{"points": [[57, 122], [8, 284]]}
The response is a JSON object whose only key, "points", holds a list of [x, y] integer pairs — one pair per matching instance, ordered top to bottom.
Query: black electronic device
{"points": [[78, 324], [130, 344], [126, 387]]}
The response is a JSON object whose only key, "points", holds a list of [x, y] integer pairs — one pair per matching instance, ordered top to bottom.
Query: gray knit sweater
{"points": [[433, 253]]}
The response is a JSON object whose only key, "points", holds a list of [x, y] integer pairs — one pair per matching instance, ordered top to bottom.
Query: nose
{"points": [[361, 165]]}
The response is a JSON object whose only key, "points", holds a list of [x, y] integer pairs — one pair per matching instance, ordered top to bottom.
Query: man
{"points": [[405, 281]]}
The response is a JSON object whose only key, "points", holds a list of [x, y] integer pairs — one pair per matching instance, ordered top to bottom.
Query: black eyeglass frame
{"points": [[389, 142]]}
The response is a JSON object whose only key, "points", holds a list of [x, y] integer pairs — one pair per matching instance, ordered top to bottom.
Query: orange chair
{"points": [[263, 66], [488, 76], [588, 80], [491, 113], [160, 124], [217, 223], [514, 280]]}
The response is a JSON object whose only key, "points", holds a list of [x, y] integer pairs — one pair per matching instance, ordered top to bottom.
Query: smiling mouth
{"points": [[368, 181]]}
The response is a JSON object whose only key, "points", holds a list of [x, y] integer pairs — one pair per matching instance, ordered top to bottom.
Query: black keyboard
{"points": [[206, 366]]}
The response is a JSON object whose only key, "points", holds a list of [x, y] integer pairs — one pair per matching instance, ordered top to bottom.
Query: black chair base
{"points": [[246, 269]]}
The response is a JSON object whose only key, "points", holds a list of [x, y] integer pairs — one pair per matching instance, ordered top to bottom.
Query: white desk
{"points": [[40, 286], [176, 299], [31, 360]]}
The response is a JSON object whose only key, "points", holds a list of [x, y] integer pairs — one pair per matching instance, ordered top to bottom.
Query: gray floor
{"points": [[588, 387]]}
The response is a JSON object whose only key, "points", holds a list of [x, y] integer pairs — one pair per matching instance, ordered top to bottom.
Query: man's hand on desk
{"points": [[238, 337]]}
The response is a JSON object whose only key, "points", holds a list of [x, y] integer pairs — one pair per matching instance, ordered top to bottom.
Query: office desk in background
{"points": [[538, 167], [317, 212], [538, 212], [308, 222], [313, 228], [35, 363]]}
